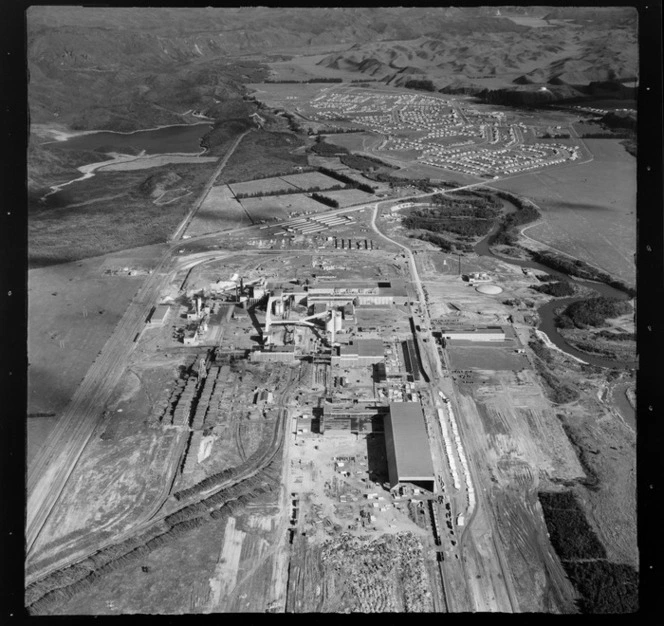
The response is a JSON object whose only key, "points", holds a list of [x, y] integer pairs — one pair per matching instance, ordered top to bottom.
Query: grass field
{"points": [[356, 142], [310, 180], [263, 185], [348, 197], [280, 207], [589, 209], [111, 211], [219, 211]]}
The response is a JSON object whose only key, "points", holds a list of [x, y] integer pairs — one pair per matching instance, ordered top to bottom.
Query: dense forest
{"points": [[323, 148], [363, 163], [525, 212], [471, 217], [557, 290], [591, 312], [605, 587]]}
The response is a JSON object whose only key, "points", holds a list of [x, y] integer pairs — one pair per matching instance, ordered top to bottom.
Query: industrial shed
{"points": [[159, 315], [407, 445]]}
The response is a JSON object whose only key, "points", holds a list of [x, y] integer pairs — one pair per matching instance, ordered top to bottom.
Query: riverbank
{"points": [[58, 136], [547, 311]]}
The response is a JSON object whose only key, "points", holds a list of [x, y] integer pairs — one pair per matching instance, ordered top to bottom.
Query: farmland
{"points": [[310, 180], [264, 186], [348, 197], [588, 209], [219, 211]]}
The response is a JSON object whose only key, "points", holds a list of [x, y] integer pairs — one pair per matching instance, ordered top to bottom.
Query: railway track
{"points": [[49, 473], [159, 513]]}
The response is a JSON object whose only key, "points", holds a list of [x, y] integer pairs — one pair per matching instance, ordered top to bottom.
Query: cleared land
{"points": [[281, 207], [589, 209], [219, 211], [74, 308], [494, 358]]}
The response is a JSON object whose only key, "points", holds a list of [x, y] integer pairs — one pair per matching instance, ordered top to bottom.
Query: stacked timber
{"points": [[217, 397], [204, 400], [183, 408], [192, 455]]}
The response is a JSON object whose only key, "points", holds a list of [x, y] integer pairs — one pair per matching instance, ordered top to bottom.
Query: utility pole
{"points": [[459, 265]]}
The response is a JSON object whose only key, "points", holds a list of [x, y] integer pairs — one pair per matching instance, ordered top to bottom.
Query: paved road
{"points": [[429, 347]]}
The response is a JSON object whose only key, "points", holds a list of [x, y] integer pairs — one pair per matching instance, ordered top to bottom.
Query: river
{"points": [[181, 138], [546, 311]]}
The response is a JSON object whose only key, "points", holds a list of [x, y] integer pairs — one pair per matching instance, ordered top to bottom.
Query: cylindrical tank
{"points": [[278, 307]]}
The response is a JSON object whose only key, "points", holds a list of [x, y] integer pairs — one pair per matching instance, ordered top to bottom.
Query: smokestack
{"points": [[198, 305]]}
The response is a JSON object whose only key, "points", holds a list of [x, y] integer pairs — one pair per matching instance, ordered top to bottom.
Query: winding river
{"points": [[547, 311]]}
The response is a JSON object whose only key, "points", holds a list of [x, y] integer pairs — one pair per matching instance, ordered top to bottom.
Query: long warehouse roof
{"points": [[408, 452]]}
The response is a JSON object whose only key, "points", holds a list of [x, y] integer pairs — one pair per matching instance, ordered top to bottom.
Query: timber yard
{"points": [[310, 400]]}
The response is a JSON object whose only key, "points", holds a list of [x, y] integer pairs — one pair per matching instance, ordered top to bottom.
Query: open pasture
{"points": [[356, 142], [310, 180], [263, 186], [349, 197], [281, 207], [589, 209], [219, 211]]}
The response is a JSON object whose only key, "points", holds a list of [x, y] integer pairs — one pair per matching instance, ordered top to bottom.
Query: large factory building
{"points": [[407, 444]]}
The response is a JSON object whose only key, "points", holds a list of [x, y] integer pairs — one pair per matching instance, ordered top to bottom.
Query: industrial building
{"points": [[359, 293], [159, 315], [490, 333], [361, 352], [281, 354], [352, 418], [407, 446]]}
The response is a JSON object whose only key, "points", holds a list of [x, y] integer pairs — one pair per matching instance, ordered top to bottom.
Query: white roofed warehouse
{"points": [[407, 446]]}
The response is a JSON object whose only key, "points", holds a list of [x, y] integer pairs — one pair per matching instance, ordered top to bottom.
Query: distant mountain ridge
{"points": [[560, 55], [130, 68]]}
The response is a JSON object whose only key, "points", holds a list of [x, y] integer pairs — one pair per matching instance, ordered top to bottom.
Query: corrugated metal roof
{"points": [[408, 452]]}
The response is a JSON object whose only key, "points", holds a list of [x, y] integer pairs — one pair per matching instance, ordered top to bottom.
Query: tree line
{"points": [[350, 182], [285, 192], [576, 267], [591, 312], [604, 587]]}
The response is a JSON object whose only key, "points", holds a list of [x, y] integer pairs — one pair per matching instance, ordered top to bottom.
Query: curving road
{"points": [[507, 600]]}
